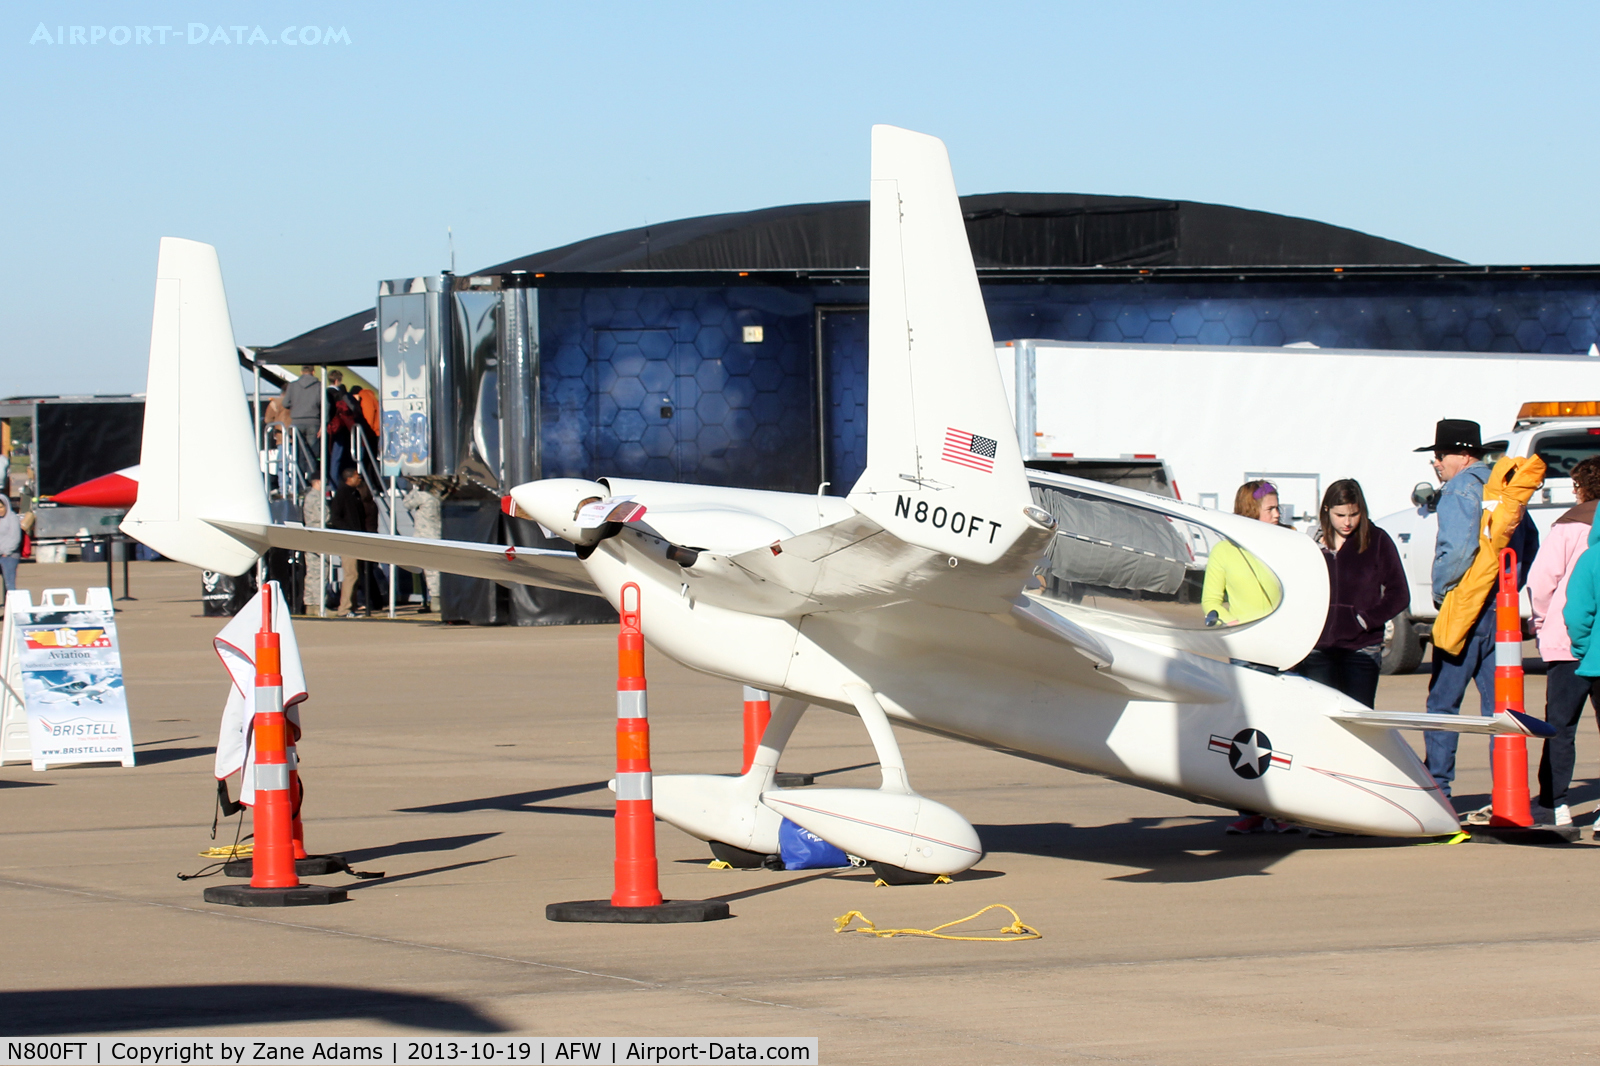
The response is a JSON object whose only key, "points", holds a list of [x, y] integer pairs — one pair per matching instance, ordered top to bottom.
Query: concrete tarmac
{"points": [[469, 766]]}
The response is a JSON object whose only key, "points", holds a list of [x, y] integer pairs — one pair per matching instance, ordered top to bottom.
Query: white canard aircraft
{"points": [[952, 591]]}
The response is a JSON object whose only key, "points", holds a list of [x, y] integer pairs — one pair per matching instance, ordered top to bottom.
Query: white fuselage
{"points": [[1002, 684]]}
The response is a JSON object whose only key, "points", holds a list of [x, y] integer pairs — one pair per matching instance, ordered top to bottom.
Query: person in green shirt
{"points": [[1239, 587]]}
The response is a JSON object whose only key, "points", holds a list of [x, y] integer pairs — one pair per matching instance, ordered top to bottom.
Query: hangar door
{"points": [[842, 395]]}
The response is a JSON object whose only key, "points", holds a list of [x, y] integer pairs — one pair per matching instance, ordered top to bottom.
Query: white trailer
{"points": [[1213, 417]]}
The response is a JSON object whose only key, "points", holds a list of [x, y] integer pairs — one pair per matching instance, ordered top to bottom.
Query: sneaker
{"points": [[1542, 815], [1480, 816], [1250, 823], [1278, 825]]}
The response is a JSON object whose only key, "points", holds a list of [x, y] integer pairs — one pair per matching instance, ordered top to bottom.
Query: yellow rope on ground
{"points": [[1460, 837], [232, 851], [1009, 934]]}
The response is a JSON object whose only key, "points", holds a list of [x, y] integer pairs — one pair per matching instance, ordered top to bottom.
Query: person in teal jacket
{"points": [[1583, 603]]}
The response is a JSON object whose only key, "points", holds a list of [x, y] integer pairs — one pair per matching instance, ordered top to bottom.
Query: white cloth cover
{"points": [[236, 647]]}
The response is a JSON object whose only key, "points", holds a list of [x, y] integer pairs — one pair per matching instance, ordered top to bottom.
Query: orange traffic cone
{"points": [[757, 713], [1508, 756], [273, 881], [636, 893]]}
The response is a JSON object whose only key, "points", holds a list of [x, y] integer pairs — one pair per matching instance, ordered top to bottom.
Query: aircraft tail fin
{"points": [[198, 459], [944, 471]]}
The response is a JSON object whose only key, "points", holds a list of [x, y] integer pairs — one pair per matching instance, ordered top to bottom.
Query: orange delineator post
{"points": [[757, 713], [1508, 756], [272, 862], [636, 883]]}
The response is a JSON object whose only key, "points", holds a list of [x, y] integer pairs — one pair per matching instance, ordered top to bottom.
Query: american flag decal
{"points": [[970, 450]]}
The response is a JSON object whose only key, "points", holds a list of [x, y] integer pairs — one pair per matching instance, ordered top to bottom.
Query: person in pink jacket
{"points": [[1565, 691]]}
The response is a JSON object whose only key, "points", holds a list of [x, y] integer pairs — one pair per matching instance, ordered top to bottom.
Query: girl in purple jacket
{"points": [[1366, 587]]}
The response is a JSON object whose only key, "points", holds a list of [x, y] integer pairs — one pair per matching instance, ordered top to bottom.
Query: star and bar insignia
{"points": [[1250, 753]]}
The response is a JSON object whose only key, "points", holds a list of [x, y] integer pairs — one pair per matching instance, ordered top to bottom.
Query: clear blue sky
{"points": [[318, 169]]}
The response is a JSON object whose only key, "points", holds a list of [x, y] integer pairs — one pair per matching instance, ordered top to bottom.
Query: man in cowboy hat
{"points": [[1458, 452]]}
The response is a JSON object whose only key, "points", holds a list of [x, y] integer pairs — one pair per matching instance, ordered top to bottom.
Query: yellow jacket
{"points": [[1505, 501], [1238, 586]]}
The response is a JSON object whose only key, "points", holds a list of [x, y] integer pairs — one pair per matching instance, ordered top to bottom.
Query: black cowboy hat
{"points": [[1455, 435]]}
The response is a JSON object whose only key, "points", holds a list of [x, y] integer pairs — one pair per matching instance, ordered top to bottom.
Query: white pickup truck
{"points": [[1561, 432]]}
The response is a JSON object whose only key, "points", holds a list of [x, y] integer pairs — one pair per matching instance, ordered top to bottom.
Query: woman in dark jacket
{"points": [[1366, 587]]}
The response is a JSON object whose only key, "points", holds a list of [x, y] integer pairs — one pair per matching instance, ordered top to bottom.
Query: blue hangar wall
{"points": [[649, 375]]}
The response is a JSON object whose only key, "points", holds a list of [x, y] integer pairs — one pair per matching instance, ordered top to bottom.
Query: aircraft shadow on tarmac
{"points": [[161, 755], [25, 784], [521, 801], [534, 802], [414, 847], [1165, 854], [429, 872], [106, 1010]]}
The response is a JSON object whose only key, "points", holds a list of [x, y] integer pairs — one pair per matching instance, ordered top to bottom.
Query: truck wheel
{"points": [[1402, 648]]}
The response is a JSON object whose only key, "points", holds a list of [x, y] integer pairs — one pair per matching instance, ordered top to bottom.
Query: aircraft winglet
{"points": [[1505, 723]]}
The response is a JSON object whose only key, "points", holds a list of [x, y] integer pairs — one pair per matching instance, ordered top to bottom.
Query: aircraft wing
{"points": [[544, 567], [1506, 723]]}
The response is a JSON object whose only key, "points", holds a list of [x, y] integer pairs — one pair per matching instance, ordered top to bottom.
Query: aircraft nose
{"points": [[554, 503]]}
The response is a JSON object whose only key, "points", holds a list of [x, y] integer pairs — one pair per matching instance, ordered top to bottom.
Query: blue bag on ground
{"points": [[801, 849]]}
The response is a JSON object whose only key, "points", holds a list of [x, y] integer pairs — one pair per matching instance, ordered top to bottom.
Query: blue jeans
{"points": [[8, 568], [1352, 672], [1451, 675]]}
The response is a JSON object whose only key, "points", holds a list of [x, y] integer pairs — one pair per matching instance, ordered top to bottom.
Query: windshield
{"points": [[1563, 451], [1115, 556]]}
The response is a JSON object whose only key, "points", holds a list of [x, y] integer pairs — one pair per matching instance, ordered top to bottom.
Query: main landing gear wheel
{"points": [[738, 858], [899, 875]]}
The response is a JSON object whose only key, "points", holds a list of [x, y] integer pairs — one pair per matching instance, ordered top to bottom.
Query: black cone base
{"points": [[1519, 834], [310, 866], [298, 896], [668, 912]]}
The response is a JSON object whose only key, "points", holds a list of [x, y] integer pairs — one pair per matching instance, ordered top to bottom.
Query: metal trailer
{"points": [[76, 438]]}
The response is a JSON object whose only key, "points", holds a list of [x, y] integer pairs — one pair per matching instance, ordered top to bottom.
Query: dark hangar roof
{"points": [[1008, 229]]}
